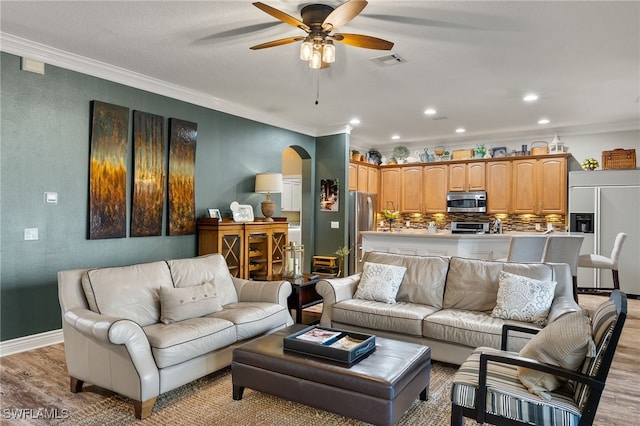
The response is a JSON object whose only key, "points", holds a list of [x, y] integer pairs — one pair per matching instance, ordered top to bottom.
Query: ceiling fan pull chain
{"points": [[317, 87]]}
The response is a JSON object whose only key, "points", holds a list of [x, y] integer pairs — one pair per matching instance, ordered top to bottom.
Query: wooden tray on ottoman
{"points": [[357, 345]]}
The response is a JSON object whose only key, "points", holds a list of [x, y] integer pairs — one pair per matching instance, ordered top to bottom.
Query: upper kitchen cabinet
{"points": [[467, 176], [353, 177], [363, 177], [372, 179], [390, 181], [498, 186], [539, 186], [434, 188], [411, 189], [291, 194]]}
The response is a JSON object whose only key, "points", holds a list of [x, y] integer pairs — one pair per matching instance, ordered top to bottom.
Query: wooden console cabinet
{"points": [[253, 250]]}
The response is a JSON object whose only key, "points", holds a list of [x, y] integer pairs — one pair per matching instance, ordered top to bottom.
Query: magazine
{"points": [[319, 335], [347, 343]]}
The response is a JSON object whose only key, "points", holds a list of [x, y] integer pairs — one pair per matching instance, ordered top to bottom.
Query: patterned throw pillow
{"points": [[380, 282], [523, 299], [178, 304], [566, 342]]}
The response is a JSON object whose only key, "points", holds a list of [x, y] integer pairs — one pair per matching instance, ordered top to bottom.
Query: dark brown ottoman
{"points": [[378, 389]]}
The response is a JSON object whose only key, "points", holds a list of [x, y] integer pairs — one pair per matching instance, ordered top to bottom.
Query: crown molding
{"points": [[49, 55]]}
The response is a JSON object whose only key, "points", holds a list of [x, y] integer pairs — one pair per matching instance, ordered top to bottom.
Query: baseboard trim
{"points": [[27, 343]]}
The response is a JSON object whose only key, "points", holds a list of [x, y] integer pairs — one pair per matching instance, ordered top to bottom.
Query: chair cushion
{"points": [[202, 269], [380, 282], [129, 292], [523, 299], [178, 304], [253, 318], [565, 343], [508, 397]]}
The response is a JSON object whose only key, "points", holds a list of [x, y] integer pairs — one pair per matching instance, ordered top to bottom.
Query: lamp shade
{"points": [[269, 182]]}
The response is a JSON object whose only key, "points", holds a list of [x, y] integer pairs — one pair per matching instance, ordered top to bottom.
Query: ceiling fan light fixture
{"points": [[306, 49], [328, 52], [316, 59]]}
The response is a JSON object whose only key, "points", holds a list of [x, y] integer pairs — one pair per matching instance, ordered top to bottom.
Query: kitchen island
{"points": [[442, 243]]}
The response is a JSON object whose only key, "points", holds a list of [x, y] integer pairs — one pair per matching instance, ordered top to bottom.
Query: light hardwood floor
{"points": [[38, 380]]}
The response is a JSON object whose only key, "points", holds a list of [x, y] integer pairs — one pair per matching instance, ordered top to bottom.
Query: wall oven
{"points": [[467, 202]]}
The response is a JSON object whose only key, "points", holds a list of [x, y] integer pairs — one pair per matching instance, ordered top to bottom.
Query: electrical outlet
{"points": [[335, 224], [30, 234]]}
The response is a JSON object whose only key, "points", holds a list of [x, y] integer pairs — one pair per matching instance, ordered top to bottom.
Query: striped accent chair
{"points": [[490, 375]]}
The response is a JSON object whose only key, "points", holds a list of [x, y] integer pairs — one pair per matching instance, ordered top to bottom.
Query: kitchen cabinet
{"points": [[467, 176], [353, 177], [363, 178], [372, 180], [498, 180], [390, 181], [539, 186], [434, 188], [411, 189], [291, 194], [253, 250]]}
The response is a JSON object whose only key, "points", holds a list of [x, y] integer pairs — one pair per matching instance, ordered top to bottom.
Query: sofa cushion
{"points": [[202, 269], [424, 280], [380, 282], [473, 284], [129, 292], [523, 299], [177, 304], [401, 317], [253, 318], [470, 328], [174, 343], [565, 343]]}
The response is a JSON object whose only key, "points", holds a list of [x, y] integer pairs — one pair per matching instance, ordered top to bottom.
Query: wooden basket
{"points": [[542, 148], [461, 154], [619, 159]]}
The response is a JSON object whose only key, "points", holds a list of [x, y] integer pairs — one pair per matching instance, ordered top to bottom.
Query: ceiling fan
{"points": [[319, 21]]}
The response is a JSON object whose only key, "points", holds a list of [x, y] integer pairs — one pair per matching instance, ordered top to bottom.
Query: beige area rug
{"points": [[208, 401]]}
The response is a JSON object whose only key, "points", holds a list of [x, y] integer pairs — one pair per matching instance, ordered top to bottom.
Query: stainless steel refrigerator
{"points": [[602, 204], [362, 217]]}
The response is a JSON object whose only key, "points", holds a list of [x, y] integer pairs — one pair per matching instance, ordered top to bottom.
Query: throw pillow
{"points": [[380, 282], [523, 299], [178, 304], [566, 342]]}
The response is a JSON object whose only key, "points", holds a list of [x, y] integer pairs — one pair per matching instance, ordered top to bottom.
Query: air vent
{"points": [[388, 60], [439, 117]]}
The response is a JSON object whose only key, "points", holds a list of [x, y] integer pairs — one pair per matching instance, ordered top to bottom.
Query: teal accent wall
{"points": [[45, 124], [332, 162]]}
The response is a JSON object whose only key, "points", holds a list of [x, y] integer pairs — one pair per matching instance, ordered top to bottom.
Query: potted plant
{"points": [[480, 151], [355, 155], [341, 253]]}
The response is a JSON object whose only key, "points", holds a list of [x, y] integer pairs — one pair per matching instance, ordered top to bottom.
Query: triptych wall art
{"points": [[108, 174]]}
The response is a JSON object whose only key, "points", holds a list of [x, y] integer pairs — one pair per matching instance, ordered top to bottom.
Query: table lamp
{"points": [[268, 183]]}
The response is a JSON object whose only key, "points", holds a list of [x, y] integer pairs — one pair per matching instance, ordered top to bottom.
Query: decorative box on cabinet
{"points": [[253, 250]]}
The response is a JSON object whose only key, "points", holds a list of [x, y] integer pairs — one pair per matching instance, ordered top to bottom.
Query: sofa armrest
{"points": [[335, 290], [262, 291], [560, 306]]}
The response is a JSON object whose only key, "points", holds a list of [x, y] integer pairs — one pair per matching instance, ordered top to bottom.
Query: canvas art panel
{"points": [[108, 171], [181, 186]]}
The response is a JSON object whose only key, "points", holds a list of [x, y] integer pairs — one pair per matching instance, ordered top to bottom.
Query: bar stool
{"points": [[526, 248], [565, 249], [598, 261]]}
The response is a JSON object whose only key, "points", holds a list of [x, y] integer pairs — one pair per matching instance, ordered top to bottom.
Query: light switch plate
{"points": [[51, 197], [335, 224], [30, 234]]}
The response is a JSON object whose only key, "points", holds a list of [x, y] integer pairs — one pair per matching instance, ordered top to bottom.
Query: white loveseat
{"points": [[445, 303], [115, 337]]}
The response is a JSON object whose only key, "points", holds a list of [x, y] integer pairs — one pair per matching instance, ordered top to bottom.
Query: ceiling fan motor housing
{"points": [[315, 14]]}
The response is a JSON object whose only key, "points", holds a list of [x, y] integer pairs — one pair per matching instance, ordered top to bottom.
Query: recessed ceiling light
{"points": [[530, 97], [430, 111], [355, 121], [544, 121], [461, 130], [395, 137]]}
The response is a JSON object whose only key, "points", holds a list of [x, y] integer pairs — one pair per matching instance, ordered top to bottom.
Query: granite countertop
{"points": [[421, 233]]}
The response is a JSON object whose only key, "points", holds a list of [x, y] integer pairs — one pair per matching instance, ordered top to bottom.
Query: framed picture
{"points": [[498, 152], [242, 213], [215, 214]]}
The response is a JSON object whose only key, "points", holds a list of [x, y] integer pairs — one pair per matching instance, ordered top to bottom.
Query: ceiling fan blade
{"points": [[343, 14], [287, 19], [359, 40], [275, 43]]}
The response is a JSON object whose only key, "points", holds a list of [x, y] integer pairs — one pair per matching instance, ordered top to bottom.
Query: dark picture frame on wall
{"points": [[181, 184], [329, 195]]}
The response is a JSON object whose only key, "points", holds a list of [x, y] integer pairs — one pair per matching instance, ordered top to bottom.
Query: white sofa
{"points": [[445, 303], [114, 337]]}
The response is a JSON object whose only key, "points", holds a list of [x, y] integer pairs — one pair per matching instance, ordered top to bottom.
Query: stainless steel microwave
{"points": [[467, 202]]}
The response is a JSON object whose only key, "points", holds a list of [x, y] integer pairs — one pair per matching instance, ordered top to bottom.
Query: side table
{"points": [[304, 293]]}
